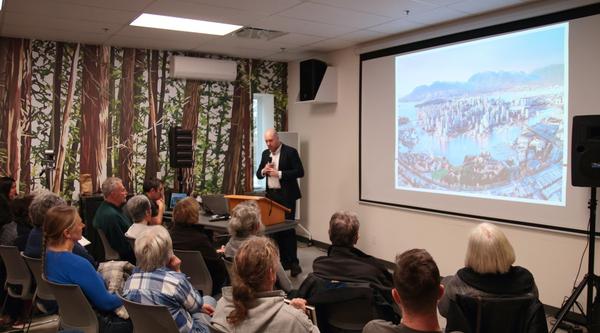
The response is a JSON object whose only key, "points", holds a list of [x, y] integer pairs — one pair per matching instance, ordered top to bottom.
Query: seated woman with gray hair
{"points": [[140, 212], [245, 223], [488, 270], [157, 280]]}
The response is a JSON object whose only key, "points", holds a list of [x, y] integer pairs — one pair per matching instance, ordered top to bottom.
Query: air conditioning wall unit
{"points": [[205, 69]]}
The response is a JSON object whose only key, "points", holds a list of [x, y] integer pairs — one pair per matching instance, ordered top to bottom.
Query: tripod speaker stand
{"points": [[590, 280]]}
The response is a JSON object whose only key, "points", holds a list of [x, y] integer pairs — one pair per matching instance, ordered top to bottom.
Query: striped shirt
{"points": [[171, 289]]}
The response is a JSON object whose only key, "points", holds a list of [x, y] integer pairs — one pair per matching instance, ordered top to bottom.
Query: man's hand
{"points": [[174, 263], [299, 303], [208, 309]]}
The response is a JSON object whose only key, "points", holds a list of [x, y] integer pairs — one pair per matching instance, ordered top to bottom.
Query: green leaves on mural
{"points": [[110, 109]]}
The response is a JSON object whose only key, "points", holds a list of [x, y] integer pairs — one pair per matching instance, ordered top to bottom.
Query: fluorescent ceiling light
{"points": [[1, 4], [183, 24]]}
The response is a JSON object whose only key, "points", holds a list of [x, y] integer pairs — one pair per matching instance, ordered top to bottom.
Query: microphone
{"points": [[270, 159]]}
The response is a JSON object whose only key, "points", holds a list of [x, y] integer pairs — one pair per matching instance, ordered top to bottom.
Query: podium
{"points": [[271, 212]]}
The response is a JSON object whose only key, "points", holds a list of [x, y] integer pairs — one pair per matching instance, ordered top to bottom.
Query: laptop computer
{"points": [[175, 197], [215, 204]]}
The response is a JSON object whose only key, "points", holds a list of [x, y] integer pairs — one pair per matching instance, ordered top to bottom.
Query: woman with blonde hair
{"points": [[62, 230], [488, 270], [251, 304]]}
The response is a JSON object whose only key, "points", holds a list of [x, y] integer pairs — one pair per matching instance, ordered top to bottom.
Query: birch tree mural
{"points": [[106, 111]]}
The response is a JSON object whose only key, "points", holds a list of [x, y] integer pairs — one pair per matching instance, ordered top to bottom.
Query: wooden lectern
{"points": [[271, 212]]}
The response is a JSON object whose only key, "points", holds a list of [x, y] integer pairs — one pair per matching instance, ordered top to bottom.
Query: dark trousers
{"points": [[286, 240]]}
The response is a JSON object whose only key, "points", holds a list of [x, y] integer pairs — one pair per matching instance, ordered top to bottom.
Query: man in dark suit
{"points": [[282, 167]]}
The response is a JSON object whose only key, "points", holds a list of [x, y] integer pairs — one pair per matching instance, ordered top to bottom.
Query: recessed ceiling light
{"points": [[183, 24]]}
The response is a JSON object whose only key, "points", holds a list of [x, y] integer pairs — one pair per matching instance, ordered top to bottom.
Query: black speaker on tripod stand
{"points": [[585, 172]]}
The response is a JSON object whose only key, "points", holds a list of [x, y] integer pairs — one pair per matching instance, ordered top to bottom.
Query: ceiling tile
{"points": [[131, 5], [260, 6], [475, 6], [388, 8], [63, 10], [333, 15], [437, 15], [48, 22], [287, 24], [397, 26], [20, 31], [131, 31], [362, 36], [297, 39], [151, 43], [248, 43], [330, 45]]}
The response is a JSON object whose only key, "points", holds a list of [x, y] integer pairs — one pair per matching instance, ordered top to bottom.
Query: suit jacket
{"points": [[291, 169]]}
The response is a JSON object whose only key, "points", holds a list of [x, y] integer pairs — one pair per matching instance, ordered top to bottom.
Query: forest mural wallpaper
{"points": [[105, 111]]}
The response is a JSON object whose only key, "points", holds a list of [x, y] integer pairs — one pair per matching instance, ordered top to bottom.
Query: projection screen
{"points": [[478, 124]]}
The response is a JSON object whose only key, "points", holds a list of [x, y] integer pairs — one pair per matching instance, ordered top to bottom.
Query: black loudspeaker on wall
{"points": [[311, 75], [181, 150], [585, 151]]}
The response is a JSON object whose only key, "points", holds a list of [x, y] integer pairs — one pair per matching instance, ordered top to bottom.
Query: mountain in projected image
{"points": [[487, 82], [499, 134]]}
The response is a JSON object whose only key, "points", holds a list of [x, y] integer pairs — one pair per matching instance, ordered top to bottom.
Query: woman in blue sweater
{"points": [[62, 229]]}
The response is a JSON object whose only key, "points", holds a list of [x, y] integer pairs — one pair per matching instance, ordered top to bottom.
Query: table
{"points": [[221, 226]]}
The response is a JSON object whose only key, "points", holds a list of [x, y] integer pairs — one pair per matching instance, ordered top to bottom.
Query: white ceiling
{"points": [[312, 27]]}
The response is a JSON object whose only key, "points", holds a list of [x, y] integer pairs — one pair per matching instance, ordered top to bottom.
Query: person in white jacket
{"points": [[251, 304]]}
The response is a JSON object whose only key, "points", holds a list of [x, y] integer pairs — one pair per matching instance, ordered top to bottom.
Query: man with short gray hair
{"points": [[110, 219], [346, 263]]}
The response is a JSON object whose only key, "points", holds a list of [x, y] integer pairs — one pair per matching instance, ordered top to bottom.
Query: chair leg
{"points": [[30, 312]]}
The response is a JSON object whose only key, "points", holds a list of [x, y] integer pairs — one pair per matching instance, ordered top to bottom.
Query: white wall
{"points": [[329, 142]]}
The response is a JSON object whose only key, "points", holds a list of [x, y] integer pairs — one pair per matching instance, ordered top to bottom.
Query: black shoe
{"points": [[296, 269]]}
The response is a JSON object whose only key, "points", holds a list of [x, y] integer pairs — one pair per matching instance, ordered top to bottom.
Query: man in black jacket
{"points": [[282, 167]]}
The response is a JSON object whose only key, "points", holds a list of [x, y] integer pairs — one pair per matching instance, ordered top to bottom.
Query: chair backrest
{"points": [[109, 252], [193, 265], [229, 267], [17, 273], [42, 290], [340, 306], [75, 311], [498, 314], [350, 315], [150, 318]]}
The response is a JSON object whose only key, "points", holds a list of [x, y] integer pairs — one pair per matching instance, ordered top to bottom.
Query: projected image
{"points": [[486, 118]]}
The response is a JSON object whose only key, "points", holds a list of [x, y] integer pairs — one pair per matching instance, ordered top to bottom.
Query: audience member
{"points": [[154, 190], [8, 191], [38, 208], [139, 210], [110, 219], [245, 223], [62, 230], [17, 231], [188, 235], [344, 262], [488, 269], [158, 280], [417, 290], [251, 304], [13, 306]]}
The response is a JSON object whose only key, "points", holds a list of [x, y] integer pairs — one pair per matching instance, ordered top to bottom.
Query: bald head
{"points": [[272, 139]]}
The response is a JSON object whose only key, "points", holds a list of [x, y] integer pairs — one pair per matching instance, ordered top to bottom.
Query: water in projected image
{"points": [[486, 118]]}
